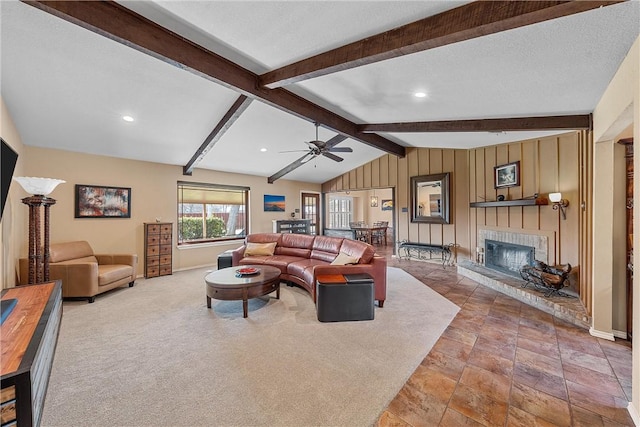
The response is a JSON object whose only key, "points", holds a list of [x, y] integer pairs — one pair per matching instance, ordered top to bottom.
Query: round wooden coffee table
{"points": [[227, 285]]}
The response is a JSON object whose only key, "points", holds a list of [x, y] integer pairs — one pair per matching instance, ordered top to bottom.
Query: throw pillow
{"points": [[260, 249], [344, 259]]}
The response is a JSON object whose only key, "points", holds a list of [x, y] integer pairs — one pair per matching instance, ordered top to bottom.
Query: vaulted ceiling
{"points": [[210, 83]]}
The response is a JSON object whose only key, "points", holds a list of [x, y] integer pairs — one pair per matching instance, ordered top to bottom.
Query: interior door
{"points": [[311, 210]]}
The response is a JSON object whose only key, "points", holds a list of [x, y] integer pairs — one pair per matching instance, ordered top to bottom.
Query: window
{"points": [[340, 211], [210, 212]]}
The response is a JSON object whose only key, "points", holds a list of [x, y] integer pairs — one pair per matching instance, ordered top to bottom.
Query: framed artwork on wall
{"points": [[507, 175], [94, 201], [273, 203], [387, 205]]}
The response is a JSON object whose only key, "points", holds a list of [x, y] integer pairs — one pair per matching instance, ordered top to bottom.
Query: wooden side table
{"points": [[29, 338]]}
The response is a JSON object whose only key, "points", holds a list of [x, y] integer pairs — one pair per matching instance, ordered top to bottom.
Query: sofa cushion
{"points": [[263, 238], [298, 245], [326, 248], [265, 249], [70, 250], [361, 250], [295, 252], [344, 259], [79, 260], [254, 260], [282, 261], [304, 269], [113, 272]]}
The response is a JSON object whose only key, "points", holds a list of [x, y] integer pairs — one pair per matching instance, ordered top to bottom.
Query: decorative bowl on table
{"points": [[247, 271]]}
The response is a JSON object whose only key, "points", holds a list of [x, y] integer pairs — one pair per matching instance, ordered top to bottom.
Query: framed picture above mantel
{"points": [[507, 175]]}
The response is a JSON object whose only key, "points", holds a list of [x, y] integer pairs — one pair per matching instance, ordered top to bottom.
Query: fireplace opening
{"points": [[507, 258]]}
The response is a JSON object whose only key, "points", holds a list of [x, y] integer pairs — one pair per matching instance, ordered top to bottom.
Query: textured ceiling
{"points": [[68, 88]]}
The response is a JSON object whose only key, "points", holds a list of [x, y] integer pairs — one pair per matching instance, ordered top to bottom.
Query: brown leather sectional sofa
{"points": [[301, 258], [83, 273]]}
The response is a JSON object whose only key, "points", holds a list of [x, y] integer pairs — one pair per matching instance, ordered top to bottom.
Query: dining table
{"points": [[368, 232]]}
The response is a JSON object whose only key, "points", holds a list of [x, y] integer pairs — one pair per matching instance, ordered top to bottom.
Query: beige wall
{"points": [[618, 109], [153, 195], [377, 214], [12, 229]]}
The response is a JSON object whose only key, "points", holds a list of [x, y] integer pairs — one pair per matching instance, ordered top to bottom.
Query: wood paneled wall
{"points": [[557, 163], [560, 163], [547, 165], [389, 171]]}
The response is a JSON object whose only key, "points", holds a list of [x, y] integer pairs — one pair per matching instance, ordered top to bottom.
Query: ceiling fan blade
{"points": [[335, 141], [340, 150], [293, 151], [332, 156], [290, 167]]}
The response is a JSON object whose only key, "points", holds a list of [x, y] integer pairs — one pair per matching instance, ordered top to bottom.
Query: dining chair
{"points": [[358, 234], [378, 236]]}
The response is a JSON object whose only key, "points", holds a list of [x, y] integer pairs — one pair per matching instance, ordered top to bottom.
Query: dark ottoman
{"points": [[224, 259], [339, 300]]}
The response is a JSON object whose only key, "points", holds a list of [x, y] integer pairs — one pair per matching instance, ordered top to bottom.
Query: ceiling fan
{"points": [[315, 148]]}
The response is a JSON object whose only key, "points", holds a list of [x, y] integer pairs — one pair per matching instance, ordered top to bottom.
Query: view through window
{"points": [[340, 211], [210, 212]]}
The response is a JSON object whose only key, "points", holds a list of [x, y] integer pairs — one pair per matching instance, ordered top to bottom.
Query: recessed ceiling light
{"points": [[420, 95], [127, 118], [263, 149]]}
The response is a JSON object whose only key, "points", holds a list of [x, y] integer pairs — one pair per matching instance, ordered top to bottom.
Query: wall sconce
{"points": [[559, 203]]}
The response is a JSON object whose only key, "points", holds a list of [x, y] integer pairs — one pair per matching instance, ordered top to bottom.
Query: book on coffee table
{"points": [[358, 278]]}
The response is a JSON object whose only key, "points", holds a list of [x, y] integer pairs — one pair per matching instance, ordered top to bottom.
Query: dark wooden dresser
{"points": [[158, 243], [29, 337]]}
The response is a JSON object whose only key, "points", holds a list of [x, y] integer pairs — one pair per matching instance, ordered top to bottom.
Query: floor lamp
{"points": [[40, 188]]}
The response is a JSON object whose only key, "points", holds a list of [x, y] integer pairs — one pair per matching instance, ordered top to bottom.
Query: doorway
{"points": [[628, 145], [366, 206], [310, 210]]}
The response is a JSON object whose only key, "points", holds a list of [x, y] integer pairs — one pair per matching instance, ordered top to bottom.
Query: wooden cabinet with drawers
{"points": [[158, 244]]}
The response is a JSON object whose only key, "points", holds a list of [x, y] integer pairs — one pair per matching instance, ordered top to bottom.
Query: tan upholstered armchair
{"points": [[83, 273]]}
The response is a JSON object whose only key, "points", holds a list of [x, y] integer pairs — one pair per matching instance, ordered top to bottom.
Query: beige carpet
{"points": [[154, 355]]}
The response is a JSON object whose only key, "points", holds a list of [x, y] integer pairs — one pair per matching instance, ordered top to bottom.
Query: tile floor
{"points": [[503, 363]]}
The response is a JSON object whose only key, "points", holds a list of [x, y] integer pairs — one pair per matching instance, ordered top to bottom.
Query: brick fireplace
{"points": [[538, 241], [541, 246], [507, 258]]}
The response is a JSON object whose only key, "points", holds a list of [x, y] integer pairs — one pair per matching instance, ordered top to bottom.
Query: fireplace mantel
{"points": [[540, 201]]}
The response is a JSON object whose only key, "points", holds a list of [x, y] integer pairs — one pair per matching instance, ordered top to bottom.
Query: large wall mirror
{"points": [[430, 198]]}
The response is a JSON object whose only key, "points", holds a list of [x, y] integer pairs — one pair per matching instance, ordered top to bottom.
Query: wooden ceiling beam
{"points": [[466, 22], [122, 25], [572, 122], [220, 129]]}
